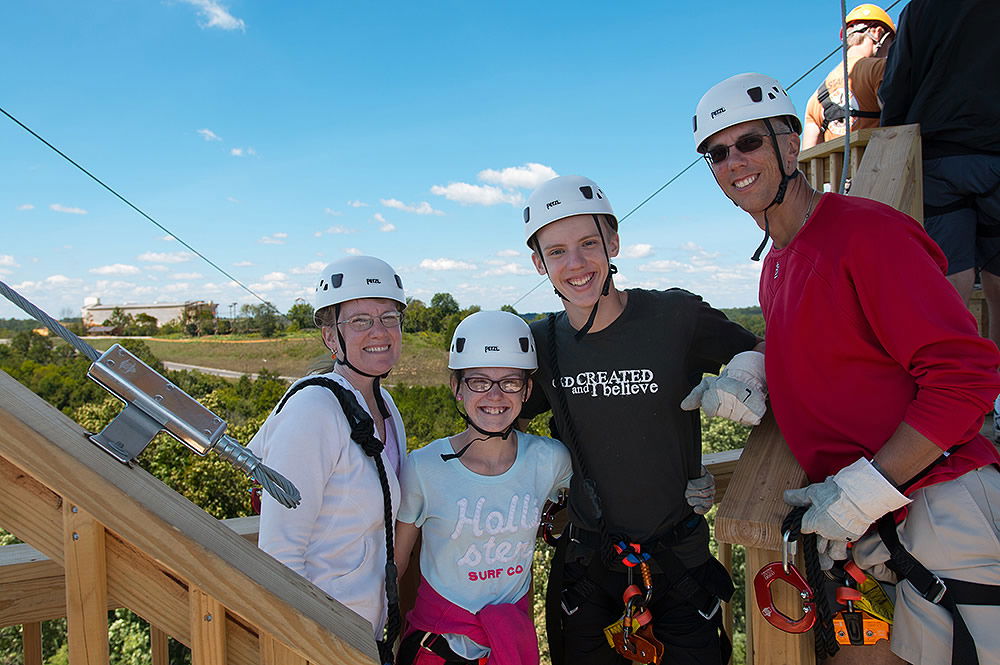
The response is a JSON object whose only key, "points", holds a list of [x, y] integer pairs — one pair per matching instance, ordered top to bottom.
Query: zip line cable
{"points": [[698, 159], [138, 210]]}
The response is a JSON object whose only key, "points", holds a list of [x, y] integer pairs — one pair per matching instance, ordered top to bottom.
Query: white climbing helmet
{"points": [[738, 99], [563, 197], [355, 277], [492, 339]]}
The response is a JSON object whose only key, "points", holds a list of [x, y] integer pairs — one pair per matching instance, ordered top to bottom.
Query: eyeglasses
{"points": [[745, 144], [363, 322], [480, 384]]}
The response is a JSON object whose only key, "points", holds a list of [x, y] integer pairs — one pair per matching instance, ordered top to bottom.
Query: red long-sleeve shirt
{"points": [[865, 332]]}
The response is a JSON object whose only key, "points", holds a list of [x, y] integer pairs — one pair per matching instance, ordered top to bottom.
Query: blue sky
{"points": [[275, 137]]}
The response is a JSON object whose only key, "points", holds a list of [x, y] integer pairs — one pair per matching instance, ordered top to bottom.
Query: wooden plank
{"points": [[821, 150], [891, 168], [836, 170], [722, 465], [753, 508], [31, 511], [183, 538], [86, 587], [208, 629], [31, 643], [769, 645], [159, 646], [276, 653]]}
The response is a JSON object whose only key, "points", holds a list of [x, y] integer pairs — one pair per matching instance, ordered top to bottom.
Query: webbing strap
{"points": [[948, 593]]}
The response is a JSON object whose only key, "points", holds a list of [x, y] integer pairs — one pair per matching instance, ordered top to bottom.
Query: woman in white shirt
{"points": [[327, 435]]}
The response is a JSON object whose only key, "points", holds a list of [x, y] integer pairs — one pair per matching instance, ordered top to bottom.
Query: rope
{"points": [[53, 325], [363, 433], [825, 640]]}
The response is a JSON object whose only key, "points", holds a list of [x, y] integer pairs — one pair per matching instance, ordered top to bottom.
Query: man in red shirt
{"points": [[877, 376]]}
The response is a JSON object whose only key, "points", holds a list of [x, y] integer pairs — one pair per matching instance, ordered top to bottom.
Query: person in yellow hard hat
{"points": [[870, 31]]}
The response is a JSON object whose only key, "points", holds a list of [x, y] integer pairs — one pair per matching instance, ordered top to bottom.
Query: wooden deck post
{"points": [[86, 587], [208, 629], [31, 643], [159, 646]]}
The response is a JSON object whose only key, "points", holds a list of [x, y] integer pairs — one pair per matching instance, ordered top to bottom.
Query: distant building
{"points": [[94, 313]]}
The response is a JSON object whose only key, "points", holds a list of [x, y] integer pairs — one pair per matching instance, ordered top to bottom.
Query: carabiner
{"points": [[762, 592]]}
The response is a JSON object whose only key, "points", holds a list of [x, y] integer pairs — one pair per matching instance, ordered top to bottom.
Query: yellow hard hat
{"points": [[868, 12]]}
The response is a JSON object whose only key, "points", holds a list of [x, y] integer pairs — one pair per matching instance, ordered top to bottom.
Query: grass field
{"points": [[424, 361]]}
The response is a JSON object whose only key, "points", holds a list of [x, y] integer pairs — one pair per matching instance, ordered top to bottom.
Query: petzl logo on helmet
{"points": [[719, 111], [552, 203], [373, 280], [490, 348]]}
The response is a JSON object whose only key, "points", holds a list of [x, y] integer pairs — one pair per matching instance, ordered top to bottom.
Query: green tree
{"points": [[301, 314]]}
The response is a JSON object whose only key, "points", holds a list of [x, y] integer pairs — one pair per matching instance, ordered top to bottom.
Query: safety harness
{"points": [[833, 111], [363, 433], [611, 549]]}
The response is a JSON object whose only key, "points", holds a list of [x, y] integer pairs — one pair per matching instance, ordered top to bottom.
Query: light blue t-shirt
{"points": [[479, 531]]}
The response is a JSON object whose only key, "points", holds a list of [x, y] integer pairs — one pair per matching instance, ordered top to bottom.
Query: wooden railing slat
{"points": [[86, 587], [208, 629], [31, 643]]}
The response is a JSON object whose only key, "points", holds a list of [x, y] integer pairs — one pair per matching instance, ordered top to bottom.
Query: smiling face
{"points": [[751, 179], [574, 257], [374, 351], [493, 410]]}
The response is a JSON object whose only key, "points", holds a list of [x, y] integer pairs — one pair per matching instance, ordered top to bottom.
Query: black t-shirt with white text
{"points": [[624, 385]]}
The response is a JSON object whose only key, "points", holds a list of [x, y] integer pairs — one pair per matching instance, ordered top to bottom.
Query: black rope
{"points": [[363, 433], [572, 442], [825, 640]]}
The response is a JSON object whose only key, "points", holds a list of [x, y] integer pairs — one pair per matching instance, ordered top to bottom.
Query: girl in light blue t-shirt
{"points": [[476, 498]]}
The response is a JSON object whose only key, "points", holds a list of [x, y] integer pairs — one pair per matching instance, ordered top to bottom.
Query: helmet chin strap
{"points": [[779, 197], [605, 288], [342, 359], [504, 434]]}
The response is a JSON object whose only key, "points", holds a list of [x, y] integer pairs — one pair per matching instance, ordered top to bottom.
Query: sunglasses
{"points": [[745, 144]]}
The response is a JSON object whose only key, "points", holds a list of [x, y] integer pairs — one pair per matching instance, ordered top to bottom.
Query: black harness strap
{"points": [[833, 111], [363, 433], [948, 593], [437, 644]]}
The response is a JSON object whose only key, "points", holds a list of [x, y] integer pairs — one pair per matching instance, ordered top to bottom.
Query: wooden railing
{"points": [[888, 170], [108, 535], [33, 587]]}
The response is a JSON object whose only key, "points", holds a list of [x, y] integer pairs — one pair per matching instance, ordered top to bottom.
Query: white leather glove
{"points": [[739, 393], [700, 492], [844, 506]]}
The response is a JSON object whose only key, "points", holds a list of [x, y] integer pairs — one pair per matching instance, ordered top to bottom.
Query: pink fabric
{"points": [[865, 332], [507, 629]]}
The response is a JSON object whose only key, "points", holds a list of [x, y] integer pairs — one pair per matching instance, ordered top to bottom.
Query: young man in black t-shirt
{"points": [[615, 367]]}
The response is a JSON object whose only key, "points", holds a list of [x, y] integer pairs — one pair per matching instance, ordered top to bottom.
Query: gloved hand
{"points": [[739, 393], [700, 492], [844, 506]]}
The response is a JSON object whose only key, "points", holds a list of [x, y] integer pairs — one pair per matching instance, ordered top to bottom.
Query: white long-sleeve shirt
{"points": [[336, 536]]}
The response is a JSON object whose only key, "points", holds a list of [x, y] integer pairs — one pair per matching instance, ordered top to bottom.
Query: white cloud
{"points": [[215, 15], [209, 135], [240, 152], [529, 176], [484, 195], [232, 199], [357, 204], [25, 206], [58, 207], [422, 208], [331, 211], [385, 226], [339, 230], [168, 238], [274, 239], [691, 247], [353, 251], [637, 251], [508, 252], [165, 257], [8, 260], [243, 264], [446, 264], [665, 265], [157, 268], [116, 269], [308, 269], [508, 269], [186, 275], [275, 277], [59, 280]]}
